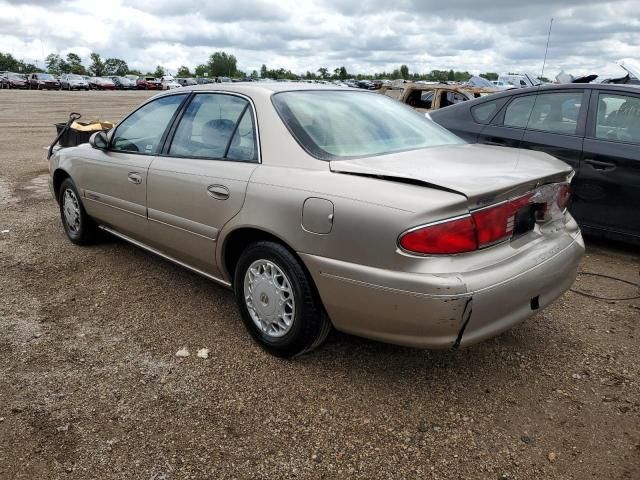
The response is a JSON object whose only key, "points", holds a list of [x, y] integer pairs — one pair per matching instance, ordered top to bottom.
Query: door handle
{"points": [[602, 166], [134, 177], [219, 192]]}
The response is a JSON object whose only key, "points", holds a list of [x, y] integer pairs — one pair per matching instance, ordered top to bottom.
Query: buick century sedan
{"points": [[324, 207]]}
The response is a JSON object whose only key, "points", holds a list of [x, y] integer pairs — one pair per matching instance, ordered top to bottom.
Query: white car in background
{"points": [[169, 83]]}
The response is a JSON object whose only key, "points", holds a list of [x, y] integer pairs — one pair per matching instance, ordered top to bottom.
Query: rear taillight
{"points": [[496, 223], [486, 226], [457, 235]]}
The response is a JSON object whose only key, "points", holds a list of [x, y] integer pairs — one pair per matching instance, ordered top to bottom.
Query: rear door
{"points": [[556, 125], [508, 127], [609, 177], [199, 183]]}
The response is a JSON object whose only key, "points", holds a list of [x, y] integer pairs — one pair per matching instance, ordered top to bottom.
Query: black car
{"points": [[595, 128]]}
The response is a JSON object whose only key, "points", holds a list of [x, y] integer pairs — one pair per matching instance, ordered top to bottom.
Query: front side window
{"points": [[518, 112], [556, 112], [618, 118], [343, 124], [216, 126], [142, 131]]}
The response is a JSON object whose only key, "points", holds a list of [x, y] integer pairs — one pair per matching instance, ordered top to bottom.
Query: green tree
{"points": [[8, 62], [55, 64], [74, 64], [222, 64], [115, 66], [97, 68], [201, 70], [183, 71], [263, 71], [404, 71], [159, 72], [324, 73], [342, 74], [254, 75], [451, 76], [489, 76]]}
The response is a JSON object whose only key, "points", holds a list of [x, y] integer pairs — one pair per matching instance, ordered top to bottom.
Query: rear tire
{"points": [[78, 225], [278, 301]]}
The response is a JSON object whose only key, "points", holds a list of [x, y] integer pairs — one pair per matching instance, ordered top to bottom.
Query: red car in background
{"points": [[13, 80], [101, 83], [148, 83]]}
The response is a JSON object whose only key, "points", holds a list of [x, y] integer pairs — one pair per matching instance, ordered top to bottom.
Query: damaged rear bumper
{"points": [[445, 310]]}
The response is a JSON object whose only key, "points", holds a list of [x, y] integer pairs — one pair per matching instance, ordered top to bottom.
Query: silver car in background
{"points": [[71, 81], [329, 207]]}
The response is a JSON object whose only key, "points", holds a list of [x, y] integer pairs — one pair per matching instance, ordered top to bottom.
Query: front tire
{"points": [[78, 225], [278, 300]]}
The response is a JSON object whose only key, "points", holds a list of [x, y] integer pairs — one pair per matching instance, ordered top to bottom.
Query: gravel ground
{"points": [[90, 386]]}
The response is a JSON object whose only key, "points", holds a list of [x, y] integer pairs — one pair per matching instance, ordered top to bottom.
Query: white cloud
{"points": [[363, 35]]}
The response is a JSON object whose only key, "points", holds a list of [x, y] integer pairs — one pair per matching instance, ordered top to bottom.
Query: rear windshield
{"points": [[336, 124]]}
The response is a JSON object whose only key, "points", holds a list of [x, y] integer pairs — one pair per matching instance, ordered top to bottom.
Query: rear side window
{"points": [[484, 112], [518, 112], [556, 112], [618, 118], [216, 126]]}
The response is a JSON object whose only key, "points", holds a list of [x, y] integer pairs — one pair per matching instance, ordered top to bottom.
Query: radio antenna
{"points": [[546, 49]]}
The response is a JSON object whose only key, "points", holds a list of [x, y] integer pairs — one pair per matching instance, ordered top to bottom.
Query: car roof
{"points": [[564, 86], [263, 87]]}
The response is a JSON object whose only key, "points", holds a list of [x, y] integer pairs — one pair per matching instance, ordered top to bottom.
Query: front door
{"points": [[115, 180], [608, 183], [199, 184]]}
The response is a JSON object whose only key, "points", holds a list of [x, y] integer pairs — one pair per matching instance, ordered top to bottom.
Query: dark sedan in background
{"points": [[43, 81], [595, 128]]}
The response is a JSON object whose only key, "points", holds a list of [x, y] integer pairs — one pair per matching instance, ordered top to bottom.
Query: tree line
{"points": [[220, 64]]}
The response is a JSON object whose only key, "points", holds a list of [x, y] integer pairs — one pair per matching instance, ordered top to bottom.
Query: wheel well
{"points": [[59, 176], [238, 240]]}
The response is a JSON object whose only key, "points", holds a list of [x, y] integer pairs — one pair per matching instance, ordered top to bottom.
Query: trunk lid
{"points": [[482, 173]]}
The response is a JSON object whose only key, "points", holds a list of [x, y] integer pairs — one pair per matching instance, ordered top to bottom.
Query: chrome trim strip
{"points": [[114, 207], [183, 224], [166, 257]]}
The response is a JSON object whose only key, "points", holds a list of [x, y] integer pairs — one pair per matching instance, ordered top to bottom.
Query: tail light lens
{"points": [[483, 227], [454, 236]]}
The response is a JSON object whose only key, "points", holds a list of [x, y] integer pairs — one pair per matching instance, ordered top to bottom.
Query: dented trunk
{"points": [[482, 173]]}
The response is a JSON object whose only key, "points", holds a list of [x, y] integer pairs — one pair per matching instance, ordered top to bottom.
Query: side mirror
{"points": [[99, 140]]}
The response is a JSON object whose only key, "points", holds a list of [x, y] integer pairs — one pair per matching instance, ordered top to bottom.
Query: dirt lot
{"points": [[90, 386]]}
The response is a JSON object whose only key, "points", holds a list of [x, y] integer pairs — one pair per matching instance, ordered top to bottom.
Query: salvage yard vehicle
{"points": [[13, 80], [43, 81], [71, 81], [101, 83], [123, 83], [148, 83], [168, 83], [426, 97], [595, 128], [322, 206]]}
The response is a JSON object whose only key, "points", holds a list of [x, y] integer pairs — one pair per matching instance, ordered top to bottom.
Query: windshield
{"points": [[16, 76], [45, 76], [74, 77], [344, 124]]}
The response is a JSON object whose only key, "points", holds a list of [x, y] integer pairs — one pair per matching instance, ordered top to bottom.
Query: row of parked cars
{"points": [[71, 81]]}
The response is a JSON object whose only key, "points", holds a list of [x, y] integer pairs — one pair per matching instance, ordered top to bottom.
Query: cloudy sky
{"points": [[364, 35]]}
